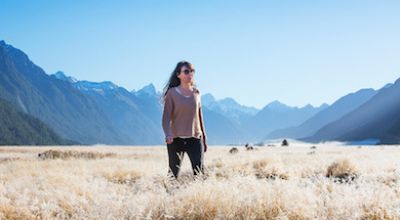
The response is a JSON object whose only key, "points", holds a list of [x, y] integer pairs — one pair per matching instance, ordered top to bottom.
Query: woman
{"points": [[182, 120]]}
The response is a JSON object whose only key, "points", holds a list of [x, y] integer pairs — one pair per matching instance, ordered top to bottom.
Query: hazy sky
{"points": [[298, 52]]}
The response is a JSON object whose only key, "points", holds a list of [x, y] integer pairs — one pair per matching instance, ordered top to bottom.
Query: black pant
{"points": [[193, 147]]}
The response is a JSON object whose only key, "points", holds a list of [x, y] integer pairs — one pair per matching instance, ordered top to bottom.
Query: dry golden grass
{"points": [[68, 154], [343, 170], [123, 176], [333, 182]]}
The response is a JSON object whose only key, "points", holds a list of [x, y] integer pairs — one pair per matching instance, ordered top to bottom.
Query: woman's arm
{"points": [[166, 116], [202, 128]]}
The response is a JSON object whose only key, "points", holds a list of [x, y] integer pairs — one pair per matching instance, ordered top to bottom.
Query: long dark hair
{"points": [[174, 80]]}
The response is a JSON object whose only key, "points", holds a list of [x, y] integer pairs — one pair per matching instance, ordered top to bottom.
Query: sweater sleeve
{"points": [[198, 91], [167, 113], [201, 116], [202, 123]]}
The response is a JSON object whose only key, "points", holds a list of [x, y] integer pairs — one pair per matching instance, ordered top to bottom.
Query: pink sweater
{"points": [[181, 115]]}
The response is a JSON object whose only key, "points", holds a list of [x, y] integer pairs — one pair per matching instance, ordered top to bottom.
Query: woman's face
{"points": [[186, 74]]}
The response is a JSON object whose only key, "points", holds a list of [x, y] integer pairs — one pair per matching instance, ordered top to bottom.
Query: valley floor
{"points": [[272, 182]]}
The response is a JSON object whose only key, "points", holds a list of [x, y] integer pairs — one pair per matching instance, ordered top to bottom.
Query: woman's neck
{"points": [[186, 86]]}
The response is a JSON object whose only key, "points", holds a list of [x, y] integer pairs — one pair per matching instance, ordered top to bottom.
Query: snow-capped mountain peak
{"points": [[61, 76], [87, 85]]}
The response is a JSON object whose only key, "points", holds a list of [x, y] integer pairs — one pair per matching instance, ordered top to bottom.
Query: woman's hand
{"points": [[169, 139], [205, 144]]}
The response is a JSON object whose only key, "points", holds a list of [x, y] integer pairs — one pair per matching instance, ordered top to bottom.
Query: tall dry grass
{"points": [[333, 182]]}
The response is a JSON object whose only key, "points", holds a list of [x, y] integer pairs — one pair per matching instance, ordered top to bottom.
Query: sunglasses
{"points": [[187, 71]]}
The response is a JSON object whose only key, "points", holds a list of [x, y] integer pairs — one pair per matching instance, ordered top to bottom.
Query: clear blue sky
{"points": [[298, 52]]}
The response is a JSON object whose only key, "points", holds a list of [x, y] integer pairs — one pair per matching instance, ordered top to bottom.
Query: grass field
{"points": [[272, 182]]}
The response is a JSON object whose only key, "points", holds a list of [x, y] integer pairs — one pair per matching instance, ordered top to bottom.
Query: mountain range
{"points": [[69, 112], [105, 113], [332, 113], [135, 116], [377, 120], [18, 128]]}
